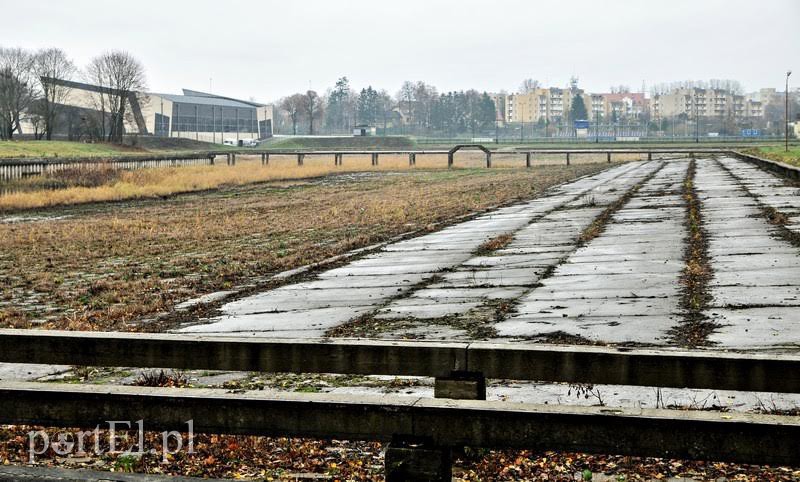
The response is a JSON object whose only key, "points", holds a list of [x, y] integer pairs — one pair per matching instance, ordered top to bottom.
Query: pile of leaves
{"points": [[266, 458]]}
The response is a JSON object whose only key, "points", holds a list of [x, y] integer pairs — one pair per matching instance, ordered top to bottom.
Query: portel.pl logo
{"points": [[66, 443]]}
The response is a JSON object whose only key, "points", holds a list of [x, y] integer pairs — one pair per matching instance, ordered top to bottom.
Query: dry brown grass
{"points": [[160, 182], [491, 245], [107, 266]]}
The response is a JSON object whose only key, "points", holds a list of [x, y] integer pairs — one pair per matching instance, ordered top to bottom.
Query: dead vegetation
{"points": [[100, 183], [780, 221], [599, 224], [490, 246], [111, 266], [696, 328], [161, 378]]}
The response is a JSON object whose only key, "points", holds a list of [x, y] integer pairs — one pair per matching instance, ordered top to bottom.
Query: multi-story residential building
{"points": [[499, 100], [707, 103], [551, 104], [555, 104], [654, 104], [623, 105], [753, 108]]}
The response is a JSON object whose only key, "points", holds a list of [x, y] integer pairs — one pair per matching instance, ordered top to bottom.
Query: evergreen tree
{"points": [[368, 106], [339, 107], [578, 109], [487, 111]]}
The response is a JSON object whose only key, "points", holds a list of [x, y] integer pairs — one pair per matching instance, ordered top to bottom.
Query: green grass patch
{"points": [[344, 142], [141, 146], [62, 149], [778, 153]]}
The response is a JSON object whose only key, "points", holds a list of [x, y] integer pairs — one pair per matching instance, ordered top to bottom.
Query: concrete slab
{"points": [[603, 307], [436, 310], [756, 327], [623, 329], [29, 372]]}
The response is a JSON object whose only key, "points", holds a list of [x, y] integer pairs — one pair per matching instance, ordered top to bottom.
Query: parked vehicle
{"points": [[241, 142]]}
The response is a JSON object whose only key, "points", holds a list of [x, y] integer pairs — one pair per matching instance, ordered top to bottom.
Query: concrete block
{"points": [[461, 386], [411, 462]]}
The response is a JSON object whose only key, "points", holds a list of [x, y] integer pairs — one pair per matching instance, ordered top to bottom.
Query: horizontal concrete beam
{"points": [[781, 168], [363, 357], [551, 363], [622, 366], [743, 438]]}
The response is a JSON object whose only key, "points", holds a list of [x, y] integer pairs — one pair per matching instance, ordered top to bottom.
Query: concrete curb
{"points": [[781, 168]]}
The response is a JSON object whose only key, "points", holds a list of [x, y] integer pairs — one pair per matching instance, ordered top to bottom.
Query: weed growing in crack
{"points": [[696, 328]]}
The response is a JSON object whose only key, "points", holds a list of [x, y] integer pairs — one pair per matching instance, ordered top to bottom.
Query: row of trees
{"points": [[28, 92], [416, 106]]}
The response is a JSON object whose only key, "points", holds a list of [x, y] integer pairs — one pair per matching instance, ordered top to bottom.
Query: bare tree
{"points": [[50, 67], [120, 76], [529, 85], [16, 89], [406, 96], [424, 96], [386, 105], [293, 106], [311, 108]]}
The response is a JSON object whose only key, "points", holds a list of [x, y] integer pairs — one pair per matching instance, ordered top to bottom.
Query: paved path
{"points": [[558, 279]]}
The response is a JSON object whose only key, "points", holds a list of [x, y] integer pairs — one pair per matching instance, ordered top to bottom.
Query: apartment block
{"points": [[705, 103], [551, 104]]}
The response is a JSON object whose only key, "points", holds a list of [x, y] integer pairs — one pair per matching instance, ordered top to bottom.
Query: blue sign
{"points": [[581, 124], [751, 133]]}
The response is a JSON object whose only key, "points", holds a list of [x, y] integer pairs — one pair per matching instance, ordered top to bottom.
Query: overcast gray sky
{"points": [[268, 49]]}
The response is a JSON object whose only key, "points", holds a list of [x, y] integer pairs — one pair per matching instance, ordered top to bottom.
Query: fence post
{"points": [[649, 155], [608, 156], [266, 158], [300, 158], [374, 158], [412, 158], [568, 158], [228, 159], [233, 159], [450, 159], [488, 159], [527, 159], [211, 160], [415, 460]]}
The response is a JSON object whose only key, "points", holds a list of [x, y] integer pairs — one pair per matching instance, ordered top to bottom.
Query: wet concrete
{"points": [[441, 260], [622, 286], [755, 286]]}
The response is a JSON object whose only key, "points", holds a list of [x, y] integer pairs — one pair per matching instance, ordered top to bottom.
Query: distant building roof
{"points": [[188, 97], [637, 97], [208, 100]]}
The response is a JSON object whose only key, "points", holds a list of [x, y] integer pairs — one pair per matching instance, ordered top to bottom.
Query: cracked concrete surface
{"points": [[623, 286]]}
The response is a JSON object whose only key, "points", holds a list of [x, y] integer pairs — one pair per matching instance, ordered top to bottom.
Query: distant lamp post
{"points": [[786, 111]]}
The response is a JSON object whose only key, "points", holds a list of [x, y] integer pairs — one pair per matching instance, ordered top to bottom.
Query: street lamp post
{"points": [[786, 112], [696, 120], [597, 124]]}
